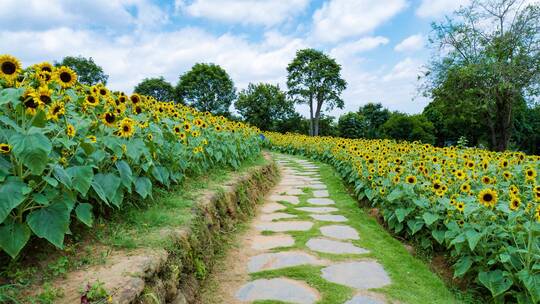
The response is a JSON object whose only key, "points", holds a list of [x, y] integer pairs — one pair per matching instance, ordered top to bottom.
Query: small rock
{"points": [[321, 201], [272, 207], [318, 209], [329, 217], [285, 226], [341, 232], [265, 242], [334, 247], [269, 261], [361, 275], [279, 289]]}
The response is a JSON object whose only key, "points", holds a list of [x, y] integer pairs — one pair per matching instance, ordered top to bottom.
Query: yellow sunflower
{"points": [[9, 67], [44, 67], [65, 76], [42, 95], [135, 98], [91, 100], [56, 109], [109, 119], [126, 128], [70, 130], [92, 138], [5, 148], [530, 174], [488, 197], [514, 203], [460, 206]]}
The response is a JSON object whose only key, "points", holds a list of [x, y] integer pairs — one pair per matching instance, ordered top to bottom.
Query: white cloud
{"points": [[438, 8], [259, 12], [338, 19], [411, 43], [347, 51], [408, 68]]}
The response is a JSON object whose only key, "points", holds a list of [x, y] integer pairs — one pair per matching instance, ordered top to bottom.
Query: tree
{"points": [[496, 46], [87, 70], [314, 78], [207, 87], [158, 88], [264, 105], [375, 116], [352, 125], [408, 127]]}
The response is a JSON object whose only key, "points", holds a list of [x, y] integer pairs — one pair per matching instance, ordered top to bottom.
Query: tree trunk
{"points": [[311, 115], [317, 115]]}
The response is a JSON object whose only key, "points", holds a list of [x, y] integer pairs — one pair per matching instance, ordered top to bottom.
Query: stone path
{"points": [[272, 235]]}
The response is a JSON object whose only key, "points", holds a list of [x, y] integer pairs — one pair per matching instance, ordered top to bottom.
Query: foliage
{"points": [[491, 62], [88, 71], [315, 79], [158, 88], [207, 88], [264, 106], [375, 116], [352, 125], [408, 127], [71, 151], [482, 207]]}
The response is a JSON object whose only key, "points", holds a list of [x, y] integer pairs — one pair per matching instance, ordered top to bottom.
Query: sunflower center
{"points": [[8, 68], [46, 69], [65, 77], [103, 92], [45, 99], [30, 104], [55, 110], [109, 118], [126, 129], [4, 148], [529, 173], [411, 180], [488, 197]]}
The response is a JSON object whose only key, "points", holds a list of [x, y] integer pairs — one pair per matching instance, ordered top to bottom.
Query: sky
{"points": [[380, 44]]}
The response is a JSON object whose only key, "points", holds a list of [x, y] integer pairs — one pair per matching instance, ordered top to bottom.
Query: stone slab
{"points": [[321, 193], [284, 198], [321, 201], [272, 207], [318, 209], [268, 217], [329, 218], [284, 226], [341, 232], [265, 242], [334, 247], [277, 260], [360, 275], [278, 289], [363, 299]]}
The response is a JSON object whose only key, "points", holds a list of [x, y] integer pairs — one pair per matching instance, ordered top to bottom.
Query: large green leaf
{"points": [[11, 95], [32, 150], [125, 173], [161, 174], [62, 176], [81, 178], [106, 186], [143, 186], [12, 193], [401, 213], [84, 214], [430, 218], [51, 222], [415, 225], [13, 236], [473, 237], [462, 266], [495, 281], [532, 283]]}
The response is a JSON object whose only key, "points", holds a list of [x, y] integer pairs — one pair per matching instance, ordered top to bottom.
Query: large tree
{"points": [[491, 49], [87, 70], [315, 79], [207, 87], [158, 88], [264, 105], [375, 115], [352, 125], [401, 126]]}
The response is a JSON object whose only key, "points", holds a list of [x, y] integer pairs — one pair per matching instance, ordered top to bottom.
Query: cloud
{"points": [[438, 8], [246, 12], [339, 19], [411, 43], [347, 51], [408, 68]]}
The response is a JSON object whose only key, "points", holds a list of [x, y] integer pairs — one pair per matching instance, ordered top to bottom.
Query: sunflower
{"points": [[9, 67], [44, 67], [65, 76], [44, 77], [103, 91], [42, 95], [135, 98], [91, 100], [30, 104], [137, 109], [56, 110], [109, 119], [187, 126], [126, 127], [218, 128], [177, 129], [70, 130], [195, 133], [182, 135], [92, 138], [5, 148], [503, 163], [459, 174], [530, 174], [507, 175], [411, 179], [486, 180], [437, 185], [488, 197], [514, 203], [460, 206], [537, 213]]}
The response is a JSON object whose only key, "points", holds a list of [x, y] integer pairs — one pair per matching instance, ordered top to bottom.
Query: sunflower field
{"points": [[69, 151], [481, 207]]}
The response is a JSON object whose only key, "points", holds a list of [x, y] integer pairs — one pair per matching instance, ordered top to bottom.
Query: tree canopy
{"points": [[87, 70], [315, 79], [157, 87], [207, 87], [264, 105], [375, 115], [352, 125], [408, 127]]}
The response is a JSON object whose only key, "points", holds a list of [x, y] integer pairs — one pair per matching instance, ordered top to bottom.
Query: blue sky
{"points": [[381, 44]]}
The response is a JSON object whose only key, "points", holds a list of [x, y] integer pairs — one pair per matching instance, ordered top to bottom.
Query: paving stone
{"points": [[315, 186], [286, 190], [321, 193], [285, 198], [321, 201], [272, 207], [318, 209], [268, 217], [329, 218], [284, 226], [341, 232], [265, 242], [334, 247], [276, 260], [361, 275], [278, 289], [363, 299]]}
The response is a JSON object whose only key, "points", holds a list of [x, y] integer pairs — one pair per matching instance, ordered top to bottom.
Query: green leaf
{"points": [[11, 95], [32, 149], [125, 173], [161, 174], [62, 176], [81, 178], [51, 181], [106, 185], [143, 186], [12, 193], [394, 195], [84, 213], [401, 214], [430, 218], [51, 222], [415, 225], [438, 235], [13, 236], [472, 238], [462, 266], [495, 281], [532, 283]]}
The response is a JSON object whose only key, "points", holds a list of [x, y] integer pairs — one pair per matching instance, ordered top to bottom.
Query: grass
{"points": [[412, 280]]}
